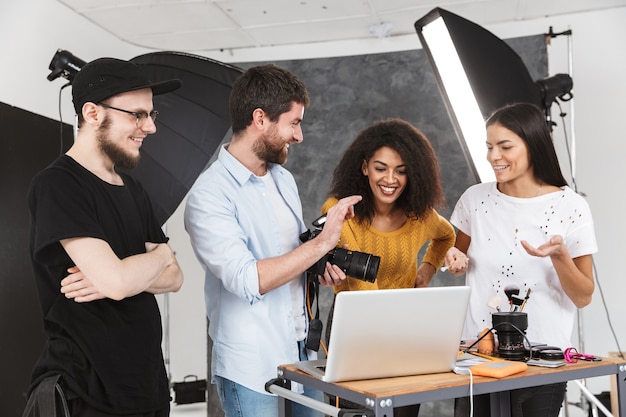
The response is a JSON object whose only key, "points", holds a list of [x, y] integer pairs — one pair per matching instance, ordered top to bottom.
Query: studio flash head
{"points": [[65, 65]]}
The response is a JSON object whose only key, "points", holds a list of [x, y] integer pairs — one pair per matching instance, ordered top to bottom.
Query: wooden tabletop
{"points": [[398, 386]]}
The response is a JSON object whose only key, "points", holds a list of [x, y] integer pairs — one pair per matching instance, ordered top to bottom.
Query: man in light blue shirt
{"points": [[244, 217]]}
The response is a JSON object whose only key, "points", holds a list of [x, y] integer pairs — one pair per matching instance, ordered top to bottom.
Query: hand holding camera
{"points": [[363, 266]]}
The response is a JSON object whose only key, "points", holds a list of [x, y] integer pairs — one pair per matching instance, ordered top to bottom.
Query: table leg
{"points": [[621, 389], [500, 404], [284, 407]]}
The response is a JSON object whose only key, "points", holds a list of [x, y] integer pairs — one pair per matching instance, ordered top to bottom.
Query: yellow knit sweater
{"points": [[398, 250]]}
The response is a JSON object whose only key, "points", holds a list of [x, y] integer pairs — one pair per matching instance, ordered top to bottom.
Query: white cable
{"points": [[166, 327], [467, 371], [471, 393]]}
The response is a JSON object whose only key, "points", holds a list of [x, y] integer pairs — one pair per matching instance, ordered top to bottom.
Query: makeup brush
{"points": [[446, 267], [509, 291], [525, 299], [494, 302], [516, 302]]}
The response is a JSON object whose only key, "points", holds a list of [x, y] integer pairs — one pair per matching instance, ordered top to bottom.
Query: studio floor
{"points": [[189, 410]]}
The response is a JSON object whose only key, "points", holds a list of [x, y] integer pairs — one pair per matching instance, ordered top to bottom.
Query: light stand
{"points": [[552, 89]]}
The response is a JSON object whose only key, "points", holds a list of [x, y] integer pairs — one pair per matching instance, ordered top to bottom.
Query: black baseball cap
{"points": [[105, 77]]}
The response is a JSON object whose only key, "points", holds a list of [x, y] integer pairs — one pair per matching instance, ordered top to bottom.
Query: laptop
{"points": [[394, 332]]}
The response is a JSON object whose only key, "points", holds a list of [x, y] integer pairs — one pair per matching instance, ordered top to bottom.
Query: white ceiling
{"points": [[210, 25]]}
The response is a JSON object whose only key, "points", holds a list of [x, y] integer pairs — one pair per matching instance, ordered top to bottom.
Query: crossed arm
{"points": [[99, 273]]}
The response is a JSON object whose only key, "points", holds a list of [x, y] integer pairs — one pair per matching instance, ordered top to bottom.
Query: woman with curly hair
{"points": [[393, 166]]}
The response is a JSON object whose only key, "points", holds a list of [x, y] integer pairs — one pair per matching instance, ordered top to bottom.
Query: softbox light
{"points": [[476, 73], [192, 123]]}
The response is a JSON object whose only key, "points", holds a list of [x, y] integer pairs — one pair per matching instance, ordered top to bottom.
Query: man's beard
{"points": [[267, 151], [118, 155]]}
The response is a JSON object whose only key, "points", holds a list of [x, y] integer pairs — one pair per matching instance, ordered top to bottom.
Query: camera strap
{"points": [[312, 295], [314, 334]]}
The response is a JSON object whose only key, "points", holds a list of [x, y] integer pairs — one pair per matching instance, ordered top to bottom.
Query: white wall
{"points": [[32, 30]]}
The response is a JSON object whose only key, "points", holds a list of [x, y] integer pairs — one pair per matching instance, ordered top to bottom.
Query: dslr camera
{"points": [[363, 266]]}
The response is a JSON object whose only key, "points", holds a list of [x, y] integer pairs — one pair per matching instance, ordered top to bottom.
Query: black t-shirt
{"points": [[109, 352]]}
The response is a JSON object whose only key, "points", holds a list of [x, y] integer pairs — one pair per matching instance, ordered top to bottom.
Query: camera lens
{"points": [[363, 266], [510, 330]]}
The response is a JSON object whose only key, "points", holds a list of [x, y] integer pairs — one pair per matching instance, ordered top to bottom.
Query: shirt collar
{"points": [[232, 165]]}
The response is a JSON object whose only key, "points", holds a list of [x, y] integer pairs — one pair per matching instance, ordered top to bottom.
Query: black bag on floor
{"points": [[188, 392]]}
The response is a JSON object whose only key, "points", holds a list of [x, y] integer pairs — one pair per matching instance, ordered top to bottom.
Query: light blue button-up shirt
{"points": [[232, 225]]}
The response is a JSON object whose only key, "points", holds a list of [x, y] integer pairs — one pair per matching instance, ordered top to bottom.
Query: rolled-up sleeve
{"points": [[226, 217]]}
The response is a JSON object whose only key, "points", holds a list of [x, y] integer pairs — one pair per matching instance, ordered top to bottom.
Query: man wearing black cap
{"points": [[99, 256]]}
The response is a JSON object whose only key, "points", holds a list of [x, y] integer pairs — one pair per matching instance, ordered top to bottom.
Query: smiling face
{"points": [[119, 137], [273, 145], [508, 155], [386, 173]]}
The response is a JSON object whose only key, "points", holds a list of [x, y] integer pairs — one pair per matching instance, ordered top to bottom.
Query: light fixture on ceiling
{"points": [[381, 29], [477, 73]]}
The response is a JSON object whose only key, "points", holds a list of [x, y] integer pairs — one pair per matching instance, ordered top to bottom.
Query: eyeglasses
{"points": [[140, 116], [572, 356]]}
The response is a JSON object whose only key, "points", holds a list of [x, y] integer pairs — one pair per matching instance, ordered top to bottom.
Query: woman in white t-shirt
{"points": [[530, 231]]}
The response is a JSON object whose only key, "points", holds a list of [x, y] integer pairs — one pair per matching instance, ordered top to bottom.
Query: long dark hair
{"points": [[528, 122], [423, 192]]}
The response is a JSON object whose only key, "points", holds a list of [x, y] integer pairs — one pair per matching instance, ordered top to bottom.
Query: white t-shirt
{"points": [[496, 224]]}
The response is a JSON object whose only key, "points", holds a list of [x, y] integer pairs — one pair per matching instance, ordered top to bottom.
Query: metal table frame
{"points": [[379, 397]]}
